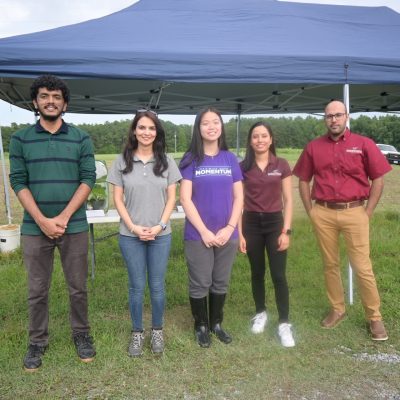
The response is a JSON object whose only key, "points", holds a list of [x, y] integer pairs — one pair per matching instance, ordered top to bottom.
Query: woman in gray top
{"points": [[144, 179]]}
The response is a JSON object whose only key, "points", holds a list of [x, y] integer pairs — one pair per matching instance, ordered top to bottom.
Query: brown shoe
{"points": [[333, 319], [378, 331]]}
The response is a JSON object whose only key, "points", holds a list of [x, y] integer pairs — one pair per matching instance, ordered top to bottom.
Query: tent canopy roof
{"points": [[258, 56]]}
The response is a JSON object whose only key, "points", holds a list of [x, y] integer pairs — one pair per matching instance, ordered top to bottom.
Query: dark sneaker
{"points": [[157, 341], [84, 346], [135, 348], [33, 360]]}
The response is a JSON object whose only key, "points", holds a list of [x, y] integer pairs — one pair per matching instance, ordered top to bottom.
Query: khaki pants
{"points": [[353, 223]]}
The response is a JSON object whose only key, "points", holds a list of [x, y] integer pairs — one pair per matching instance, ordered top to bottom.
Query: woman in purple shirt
{"points": [[267, 182], [212, 197]]}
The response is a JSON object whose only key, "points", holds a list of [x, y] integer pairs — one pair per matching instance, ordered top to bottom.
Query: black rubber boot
{"points": [[216, 303], [199, 311]]}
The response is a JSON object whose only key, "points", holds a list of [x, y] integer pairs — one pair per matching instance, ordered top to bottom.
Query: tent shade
{"points": [[253, 56], [108, 96]]}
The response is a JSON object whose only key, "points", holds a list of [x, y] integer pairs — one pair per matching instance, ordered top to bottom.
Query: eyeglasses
{"points": [[143, 110], [330, 117]]}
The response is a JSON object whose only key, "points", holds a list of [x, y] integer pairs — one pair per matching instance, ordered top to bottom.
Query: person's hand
{"points": [[311, 211], [368, 212], [61, 221], [51, 227], [154, 230], [142, 232], [223, 235], [208, 238], [283, 242], [242, 244]]}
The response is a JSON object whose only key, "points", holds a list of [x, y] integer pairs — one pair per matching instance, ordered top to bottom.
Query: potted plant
{"points": [[97, 199]]}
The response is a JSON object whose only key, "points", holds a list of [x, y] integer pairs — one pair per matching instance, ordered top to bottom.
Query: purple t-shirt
{"points": [[212, 191]]}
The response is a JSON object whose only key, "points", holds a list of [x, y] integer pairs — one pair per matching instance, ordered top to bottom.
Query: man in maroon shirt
{"points": [[348, 172]]}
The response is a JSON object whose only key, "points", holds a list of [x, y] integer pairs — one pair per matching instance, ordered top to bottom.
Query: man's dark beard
{"points": [[50, 118]]}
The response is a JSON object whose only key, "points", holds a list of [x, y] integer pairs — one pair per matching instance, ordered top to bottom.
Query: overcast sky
{"points": [[26, 16]]}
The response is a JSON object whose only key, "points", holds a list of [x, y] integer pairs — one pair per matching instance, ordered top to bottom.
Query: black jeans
{"points": [[261, 231]]}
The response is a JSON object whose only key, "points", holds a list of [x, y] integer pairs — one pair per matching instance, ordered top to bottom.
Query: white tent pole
{"points": [[346, 100], [239, 109], [5, 180]]}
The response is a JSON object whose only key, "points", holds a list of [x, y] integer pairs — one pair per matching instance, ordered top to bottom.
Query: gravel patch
{"points": [[379, 357], [389, 358]]}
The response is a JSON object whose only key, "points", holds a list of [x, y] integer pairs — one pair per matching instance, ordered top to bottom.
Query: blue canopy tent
{"points": [[258, 56]]}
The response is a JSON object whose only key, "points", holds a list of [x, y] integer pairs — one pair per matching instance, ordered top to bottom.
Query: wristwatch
{"points": [[163, 226], [287, 231]]}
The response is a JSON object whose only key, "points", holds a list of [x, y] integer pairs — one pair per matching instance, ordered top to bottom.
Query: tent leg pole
{"points": [[346, 101], [239, 111], [238, 135], [5, 180], [351, 296]]}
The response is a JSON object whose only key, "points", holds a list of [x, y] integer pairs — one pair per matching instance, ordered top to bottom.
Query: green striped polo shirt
{"points": [[52, 166]]}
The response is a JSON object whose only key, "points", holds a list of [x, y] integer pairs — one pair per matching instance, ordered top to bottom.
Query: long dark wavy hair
{"points": [[159, 146], [196, 151], [250, 156]]}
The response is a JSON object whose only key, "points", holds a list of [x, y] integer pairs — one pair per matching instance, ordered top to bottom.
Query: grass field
{"points": [[339, 364]]}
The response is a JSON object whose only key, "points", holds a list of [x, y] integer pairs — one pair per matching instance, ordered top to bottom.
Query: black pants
{"points": [[261, 231]]}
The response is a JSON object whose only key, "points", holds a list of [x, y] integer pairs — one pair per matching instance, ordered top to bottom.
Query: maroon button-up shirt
{"points": [[342, 169], [263, 189]]}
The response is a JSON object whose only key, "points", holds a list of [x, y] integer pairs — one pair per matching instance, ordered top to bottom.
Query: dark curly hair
{"points": [[50, 82]]}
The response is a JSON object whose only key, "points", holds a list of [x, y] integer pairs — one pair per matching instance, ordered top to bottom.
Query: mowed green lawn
{"points": [[339, 364]]}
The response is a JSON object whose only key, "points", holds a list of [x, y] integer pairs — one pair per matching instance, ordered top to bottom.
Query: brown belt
{"points": [[340, 206]]}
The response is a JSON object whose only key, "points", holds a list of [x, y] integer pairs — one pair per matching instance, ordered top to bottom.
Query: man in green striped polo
{"points": [[52, 171]]}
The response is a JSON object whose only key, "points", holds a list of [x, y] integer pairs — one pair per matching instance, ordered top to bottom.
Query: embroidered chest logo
{"points": [[355, 150], [213, 171], [275, 172]]}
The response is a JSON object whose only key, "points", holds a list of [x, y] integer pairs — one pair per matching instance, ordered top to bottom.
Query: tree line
{"points": [[289, 132]]}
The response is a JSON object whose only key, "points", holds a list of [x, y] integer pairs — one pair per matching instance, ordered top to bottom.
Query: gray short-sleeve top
{"points": [[145, 194]]}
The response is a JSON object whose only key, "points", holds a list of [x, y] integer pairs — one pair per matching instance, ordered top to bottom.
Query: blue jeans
{"points": [[141, 257]]}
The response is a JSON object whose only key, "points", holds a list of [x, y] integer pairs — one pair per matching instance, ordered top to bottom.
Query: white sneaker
{"points": [[258, 322], [285, 334]]}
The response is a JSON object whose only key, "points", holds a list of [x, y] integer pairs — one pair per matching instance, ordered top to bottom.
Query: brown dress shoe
{"points": [[333, 319], [378, 331]]}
